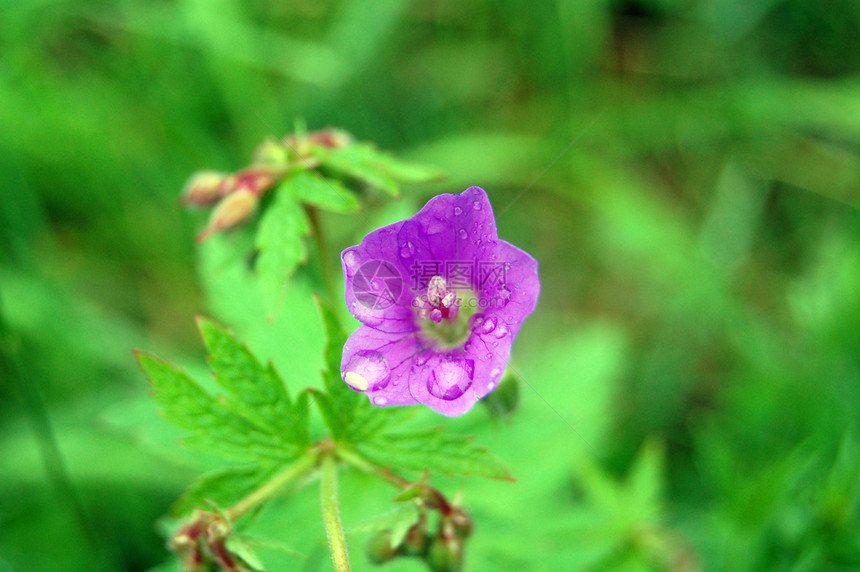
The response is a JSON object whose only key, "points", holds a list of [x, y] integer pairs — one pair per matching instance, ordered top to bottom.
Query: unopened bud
{"points": [[331, 138], [257, 179], [204, 188], [233, 210], [461, 523], [416, 540], [379, 549], [445, 554]]}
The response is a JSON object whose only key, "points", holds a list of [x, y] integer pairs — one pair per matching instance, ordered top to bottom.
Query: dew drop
{"points": [[476, 205], [458, 211], [463, 234], [407, 249], [350, 258], [503, 296], [365, 314], [476, 321], [488, 325], [501, 330], [488, 356], [367, 370], [495, 372], [451, 378], [491, 386], [379, 401]]}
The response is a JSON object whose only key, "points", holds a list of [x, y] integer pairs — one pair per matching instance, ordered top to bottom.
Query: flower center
{"points": [[443, 316]]}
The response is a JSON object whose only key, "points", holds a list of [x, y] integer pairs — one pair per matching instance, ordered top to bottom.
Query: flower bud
{"points": [[331, 138], [257, 179], [204, 188], [233, 210], [416, 540], [379, 549], [445, 554]]}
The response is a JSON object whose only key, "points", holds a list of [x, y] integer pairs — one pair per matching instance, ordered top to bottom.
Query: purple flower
{"points": [[441, 299]]}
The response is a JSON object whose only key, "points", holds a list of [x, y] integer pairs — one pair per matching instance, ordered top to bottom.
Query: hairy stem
{"points": [[273, 486], [331, 515]]}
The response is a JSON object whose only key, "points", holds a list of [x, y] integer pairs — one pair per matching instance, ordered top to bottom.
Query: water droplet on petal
{"points": [[476, 205], [458, 211], [463, 234], [407, 249], [350, 258], [503, 296], [365, 314], [475, 321], [487, 325], [501, 330], [488, 356], [367, 370], [495, 372], [451, 378], [491, 386], [379, 401]]}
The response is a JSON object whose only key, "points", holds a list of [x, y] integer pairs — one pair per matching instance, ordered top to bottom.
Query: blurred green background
{"points": [[686, 173]]}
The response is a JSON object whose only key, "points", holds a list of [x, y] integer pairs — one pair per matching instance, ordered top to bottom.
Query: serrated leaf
{"points": [[354, 161], [397, 169], [328, 194], [281, 245], [258, 391], [213, 426], [435, 450], [222, 488]]}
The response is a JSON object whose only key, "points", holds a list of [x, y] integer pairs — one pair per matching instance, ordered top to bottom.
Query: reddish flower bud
{"points": [[331, 138], [257, 179], [204, 188], [233, 210]]}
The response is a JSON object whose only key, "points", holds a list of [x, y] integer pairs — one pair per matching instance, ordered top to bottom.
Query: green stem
{"points": [[274, 485], [331, 515]]}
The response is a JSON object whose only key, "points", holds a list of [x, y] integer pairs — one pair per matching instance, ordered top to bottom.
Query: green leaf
{"points": [[366, 163], [325, 193], [280, 241], [259, 393], [214, 427], [435, 450], [222, 488]]}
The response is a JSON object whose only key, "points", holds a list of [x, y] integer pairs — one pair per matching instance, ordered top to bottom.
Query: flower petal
{"points": [[513, 293], [377, 363]]}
